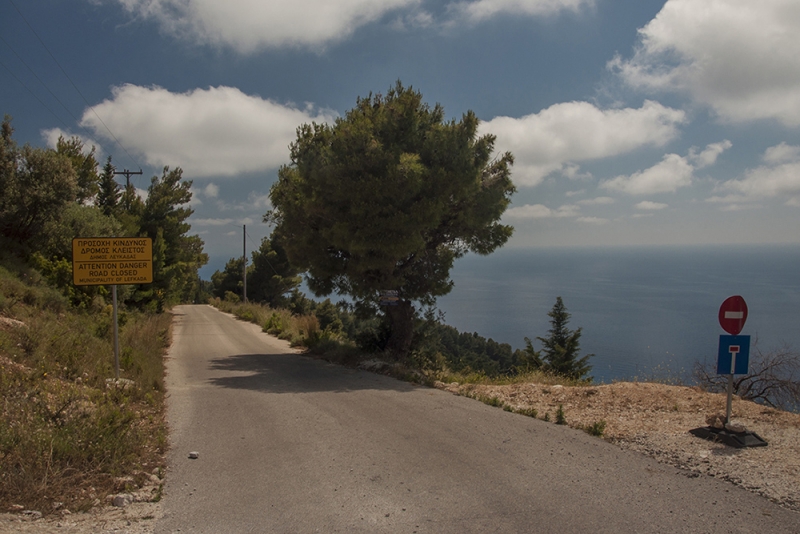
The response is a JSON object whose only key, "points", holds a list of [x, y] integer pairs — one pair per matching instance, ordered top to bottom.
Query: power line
{"points": [[41, 82], [59, 119], [114, 137]]}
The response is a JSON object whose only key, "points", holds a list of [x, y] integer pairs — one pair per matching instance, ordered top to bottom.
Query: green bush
{"points": [[561, 418], [596, 429]]}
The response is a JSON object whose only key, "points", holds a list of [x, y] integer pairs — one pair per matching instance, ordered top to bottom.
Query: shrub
{"points": [[773, 378], [561, 418], [596, 429]]}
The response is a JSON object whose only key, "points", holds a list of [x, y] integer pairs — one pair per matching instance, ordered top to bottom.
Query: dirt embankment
{"points": [[655, 419]]}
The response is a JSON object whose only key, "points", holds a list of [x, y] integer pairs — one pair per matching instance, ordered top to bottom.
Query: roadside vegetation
{"points": [[70, 433]]}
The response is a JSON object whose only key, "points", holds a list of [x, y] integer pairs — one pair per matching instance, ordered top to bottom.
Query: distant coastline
{"points": [[646, 311]]}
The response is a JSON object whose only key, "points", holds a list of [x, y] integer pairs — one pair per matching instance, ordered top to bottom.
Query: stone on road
{"points": [[294, 444]]}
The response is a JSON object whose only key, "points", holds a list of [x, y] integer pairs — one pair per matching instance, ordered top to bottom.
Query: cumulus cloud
{"points": [[484, 9], [251, 25], [740, 57], [218, 131], [556, 137], [782, 153], [708, 156], [670, 174], [667, 176], [779, 177], [211, 191], [596, 201], [650, 206], [540, 211], [592, 220], [211, 222]]}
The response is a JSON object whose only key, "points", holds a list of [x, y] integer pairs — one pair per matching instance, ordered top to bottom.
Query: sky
{"points": [[632, 122]]}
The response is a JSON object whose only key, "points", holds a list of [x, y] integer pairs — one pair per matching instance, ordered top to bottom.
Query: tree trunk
{"points": [[401, 320]]}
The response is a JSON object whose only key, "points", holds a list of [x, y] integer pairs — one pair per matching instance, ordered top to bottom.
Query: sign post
{"points": [[100, 261], [732, 316], [733, 358]]}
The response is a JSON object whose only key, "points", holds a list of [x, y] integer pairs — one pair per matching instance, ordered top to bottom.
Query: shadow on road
{"points": [[293, 373]]}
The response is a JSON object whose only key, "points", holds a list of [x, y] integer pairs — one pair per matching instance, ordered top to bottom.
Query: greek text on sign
{"points": [[112, 260]]}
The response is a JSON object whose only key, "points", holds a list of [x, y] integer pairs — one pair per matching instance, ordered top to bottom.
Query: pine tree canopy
{"points": [[387, 198]]}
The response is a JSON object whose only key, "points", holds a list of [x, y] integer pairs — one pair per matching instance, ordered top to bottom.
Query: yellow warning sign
{"points": [[112, 260]]}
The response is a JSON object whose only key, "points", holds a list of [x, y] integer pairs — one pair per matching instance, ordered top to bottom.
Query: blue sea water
{"points": [[645, 311]]}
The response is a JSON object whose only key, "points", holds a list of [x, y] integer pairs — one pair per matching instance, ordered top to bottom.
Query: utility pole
{"points": [[128, 174], [244, 262]]}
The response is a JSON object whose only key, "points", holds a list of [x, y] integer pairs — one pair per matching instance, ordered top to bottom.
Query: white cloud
{"points": [[484, 9], [251, 25], [740, 57], [218, 131], [555, 137], [782, 153], [708, 156], [670, 174], [667, 176], [779, 177], [768, 181], [211, 191], [256, 201], [596, 201], [650, 206], [540, 211], [592, 220], [211, 222]]}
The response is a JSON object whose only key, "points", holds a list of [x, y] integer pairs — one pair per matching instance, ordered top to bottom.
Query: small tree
{"points": [[109, 192], [560, 353]]}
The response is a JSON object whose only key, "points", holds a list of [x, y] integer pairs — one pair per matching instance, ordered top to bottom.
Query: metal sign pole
{"points": [[116, 329], [730, 399]]}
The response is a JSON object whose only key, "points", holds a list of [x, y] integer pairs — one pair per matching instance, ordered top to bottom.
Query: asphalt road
{"points": [[287, 443]]}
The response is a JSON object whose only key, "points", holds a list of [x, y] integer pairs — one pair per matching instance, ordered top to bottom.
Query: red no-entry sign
{"points": [[733, 314]]}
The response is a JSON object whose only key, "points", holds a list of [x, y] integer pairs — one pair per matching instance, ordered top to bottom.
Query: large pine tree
{"points": [[387, 198]]}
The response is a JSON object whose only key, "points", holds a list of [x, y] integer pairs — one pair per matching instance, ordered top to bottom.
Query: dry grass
{"points": [[300, 331], [65, 432]]}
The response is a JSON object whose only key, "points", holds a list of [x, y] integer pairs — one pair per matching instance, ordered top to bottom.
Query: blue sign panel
{"points": [[730, 346]]}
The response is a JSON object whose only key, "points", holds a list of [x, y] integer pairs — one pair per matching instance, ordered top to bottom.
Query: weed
{"points": [[529, 412], [547, 417], [561, 419], [596, 429]]}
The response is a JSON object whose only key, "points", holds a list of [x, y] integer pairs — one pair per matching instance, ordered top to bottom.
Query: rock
{"points": [[8, 321], [122, 383], [716, 420], [736, 427], [194, 455], [122, 500], [17, 507], [33, 514]]}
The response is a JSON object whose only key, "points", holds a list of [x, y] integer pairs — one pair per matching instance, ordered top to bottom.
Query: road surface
{"points": [[287, 443]]}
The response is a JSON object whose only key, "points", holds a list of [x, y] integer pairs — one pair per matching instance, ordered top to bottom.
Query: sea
{"points": [[645, 312]]}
